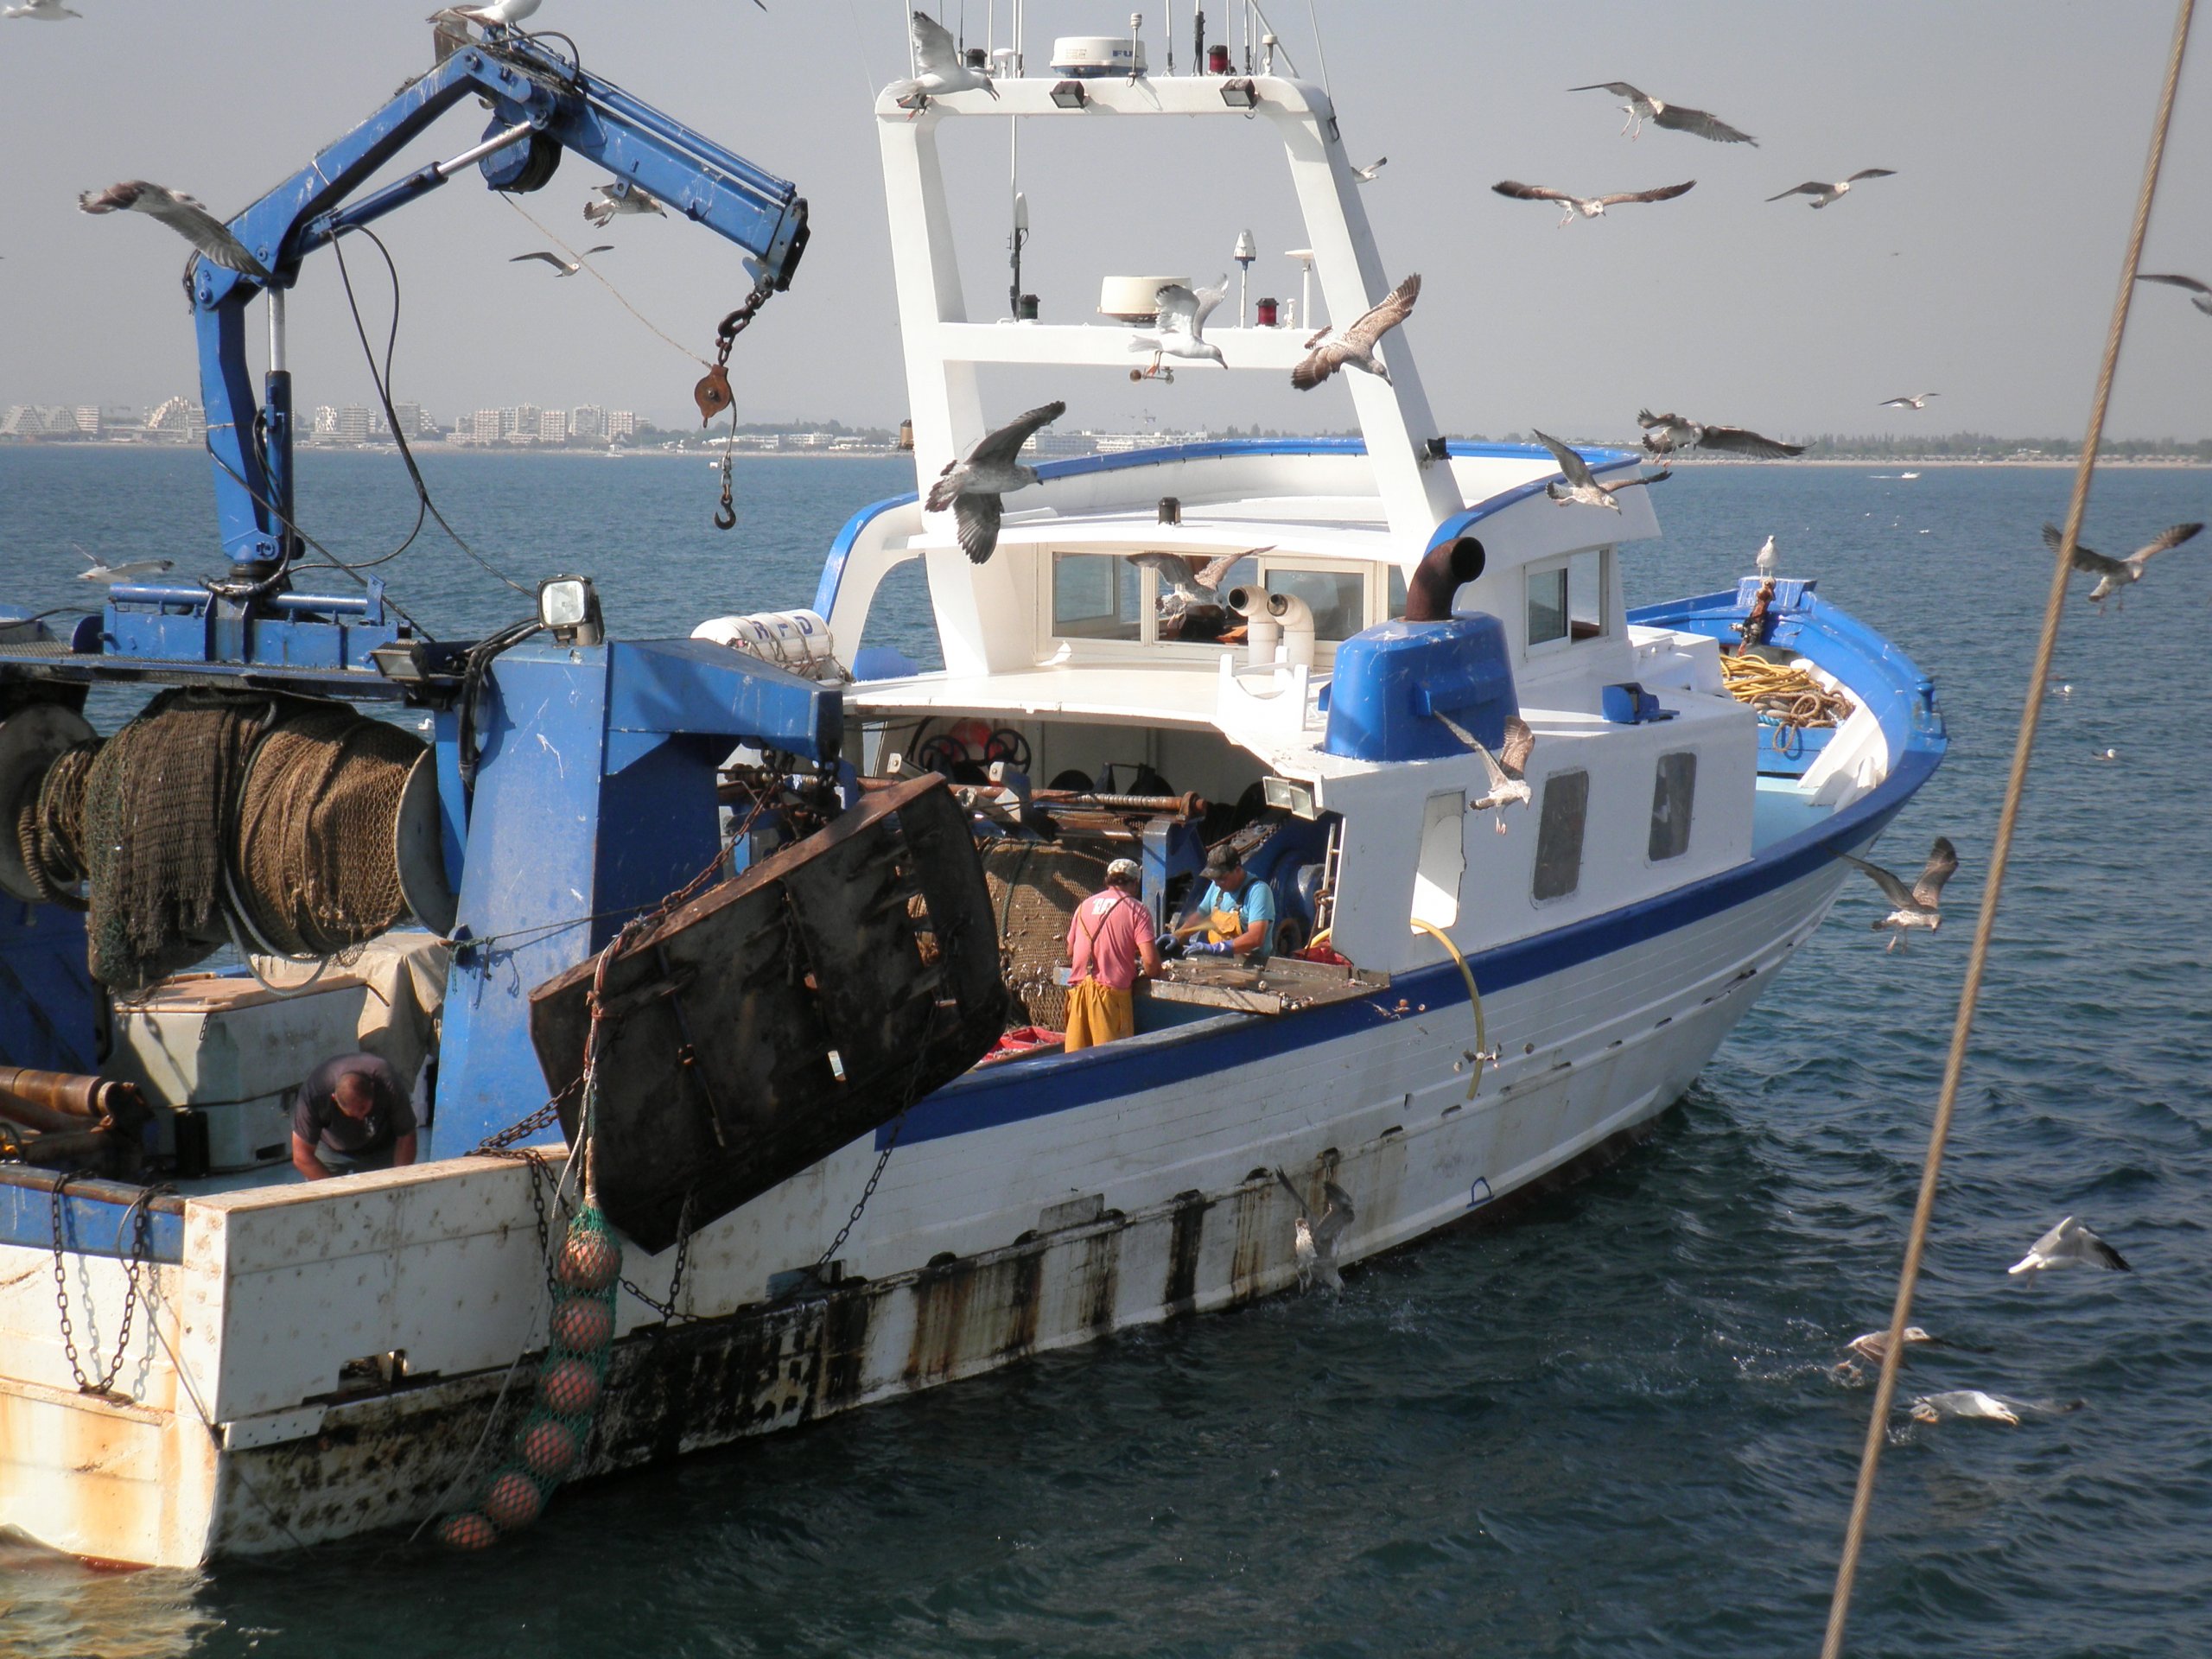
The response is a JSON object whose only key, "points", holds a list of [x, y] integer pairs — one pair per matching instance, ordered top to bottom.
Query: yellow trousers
{"points": [[1098, 1015]]}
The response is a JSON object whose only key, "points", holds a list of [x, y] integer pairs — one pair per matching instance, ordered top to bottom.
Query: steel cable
{"points": [[2000, 854]]}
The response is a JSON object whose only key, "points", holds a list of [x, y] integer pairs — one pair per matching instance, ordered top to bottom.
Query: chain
{"points": [[713, 392], [494, 1145], [890, 1146], [142, 1246], [668, 1311]]}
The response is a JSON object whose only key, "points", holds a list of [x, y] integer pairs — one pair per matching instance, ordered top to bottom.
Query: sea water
{"points": [[1608, 1428]]}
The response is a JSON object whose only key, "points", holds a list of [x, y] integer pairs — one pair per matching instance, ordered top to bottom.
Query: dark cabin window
{"points": [[1674, 793], [1558, 834]]}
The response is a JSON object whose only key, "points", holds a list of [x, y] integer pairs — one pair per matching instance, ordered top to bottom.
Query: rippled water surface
{"points": [[1608, 1428]]}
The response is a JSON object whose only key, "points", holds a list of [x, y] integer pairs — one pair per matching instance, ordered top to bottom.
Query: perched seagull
{"points": [[42, 12], [500, 13], [940, 68], [1642, 107], [1366, 175], [1824, 194], [631, 199], [1588, 207], [186, 217], [562, 267], [2200, 295], [1182, 322], [1354, 347], [1918, 400], [1664, 434], [973, 486], [1581, 487], [109, 573], [2114, 574], [1508, 787], [1920, 904], [1315, 1245], [2064, 1245], [1873, 1345], [1964, 1404]]}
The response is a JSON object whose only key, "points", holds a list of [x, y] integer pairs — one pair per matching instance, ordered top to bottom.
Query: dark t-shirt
{"points": [[318, 1120]]}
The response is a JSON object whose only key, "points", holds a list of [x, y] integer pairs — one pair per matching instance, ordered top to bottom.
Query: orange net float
{"points": [[589, 1261], [583, 1325], [569, 1388], [548, 1449], [512, 1501], [468, 1530]]}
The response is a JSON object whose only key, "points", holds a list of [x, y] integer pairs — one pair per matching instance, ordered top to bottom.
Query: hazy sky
{"points": [[1984, 271]]}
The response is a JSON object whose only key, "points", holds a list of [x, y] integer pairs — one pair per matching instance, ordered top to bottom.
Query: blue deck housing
{"points": [[1390, 682]]}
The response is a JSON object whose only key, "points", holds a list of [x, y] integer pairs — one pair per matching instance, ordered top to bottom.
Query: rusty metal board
{"points": [[1284, 985], [783, 1013]]}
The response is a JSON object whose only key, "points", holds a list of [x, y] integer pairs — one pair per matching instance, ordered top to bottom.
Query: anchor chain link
{"points": [[713, 393], [142, 1247]]}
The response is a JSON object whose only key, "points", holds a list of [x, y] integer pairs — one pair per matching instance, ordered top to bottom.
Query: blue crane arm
{"points": [[542, 105]]}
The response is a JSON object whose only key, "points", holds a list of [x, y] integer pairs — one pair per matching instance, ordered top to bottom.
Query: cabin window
{"points": [[1096, 596], [1337, 598], [1566, 601], [1396, 604], [1673, 793], [1558, 834], [1443, 860]]}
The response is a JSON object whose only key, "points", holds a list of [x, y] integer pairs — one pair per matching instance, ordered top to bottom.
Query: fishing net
{"points": [[314, 831], [1035, 887], [550, 1442]]}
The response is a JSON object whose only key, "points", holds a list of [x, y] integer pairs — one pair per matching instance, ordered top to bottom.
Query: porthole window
{"points": [[1674, 794], [1558, 834]]}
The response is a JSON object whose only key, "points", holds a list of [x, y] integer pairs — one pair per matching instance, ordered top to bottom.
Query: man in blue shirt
{"points": [[1236, 915]]}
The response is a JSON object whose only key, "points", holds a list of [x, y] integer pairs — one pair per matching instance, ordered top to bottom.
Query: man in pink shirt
{"points": [[1109, 937]]}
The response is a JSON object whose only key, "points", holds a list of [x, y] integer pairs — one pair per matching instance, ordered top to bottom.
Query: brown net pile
{"points": [[158, 799], [49, 826], [314, 852], [1035, 889]]}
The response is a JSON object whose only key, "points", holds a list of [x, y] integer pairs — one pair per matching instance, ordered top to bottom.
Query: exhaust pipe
{"points": [[1442, 573], [1271, 620]]}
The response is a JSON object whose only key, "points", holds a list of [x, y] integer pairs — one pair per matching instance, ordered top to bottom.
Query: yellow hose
{"points": [[1482, 1036]]}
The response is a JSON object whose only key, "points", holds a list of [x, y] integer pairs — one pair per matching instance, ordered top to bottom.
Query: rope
{"points": [[593, 270], [1790, 695], [2015, 787], [1482, 1034]]}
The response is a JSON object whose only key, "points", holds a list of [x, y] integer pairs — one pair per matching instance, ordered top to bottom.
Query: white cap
{"points": [[1123, 869]]}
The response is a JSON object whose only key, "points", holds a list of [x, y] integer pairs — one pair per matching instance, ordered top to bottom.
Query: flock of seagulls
{"points": [[2068, 1244]]}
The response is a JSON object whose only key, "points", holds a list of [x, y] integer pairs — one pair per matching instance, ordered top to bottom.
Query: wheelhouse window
{"points": [[1096, 596], [1337, 598], [1566, 600], [1674, 794], [1558, 834], [1443, 860]]}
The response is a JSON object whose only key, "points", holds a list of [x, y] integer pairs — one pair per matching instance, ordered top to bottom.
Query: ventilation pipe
{"points": [[1440, 576], [1273, 619]]}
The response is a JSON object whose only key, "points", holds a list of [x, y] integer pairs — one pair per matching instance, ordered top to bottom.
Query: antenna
{"points": [[1020, 238], [1247, 251], [1304, 257]]}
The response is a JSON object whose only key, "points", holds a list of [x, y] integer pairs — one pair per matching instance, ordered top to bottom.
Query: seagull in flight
{"points": [[41, 11], [501, 14], [939, 68], [1642, 107], [1366, 174], [1822, 195], [621, 197], [1588, 207], [182, 214], [562, 267], [2200, 295], [1182, 320], [1354, 347], [1918, 400], [1664, 434], [973, 487], [1581, 487], [109, 573], [2112, 574], [1508, 787], [1920, 904], [1314, 1243], [2065, 1245], [1872, 1346], [1964, 1405]]}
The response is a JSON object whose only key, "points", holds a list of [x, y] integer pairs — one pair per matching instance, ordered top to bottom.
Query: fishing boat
{"points": [[1467, 992]]}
